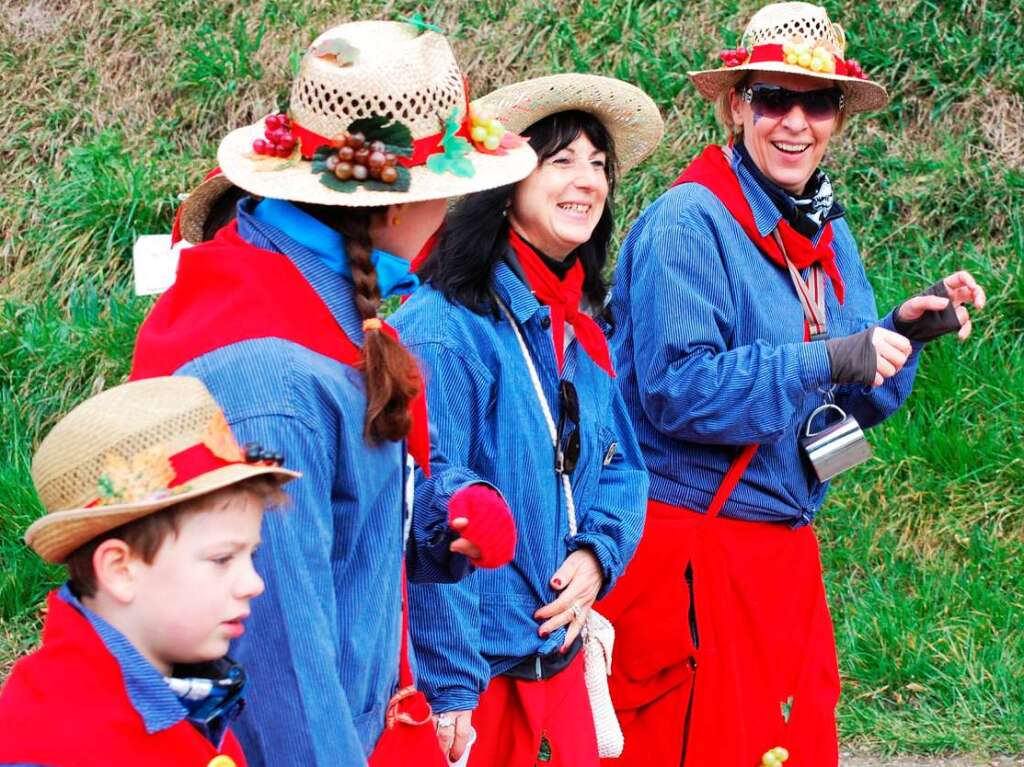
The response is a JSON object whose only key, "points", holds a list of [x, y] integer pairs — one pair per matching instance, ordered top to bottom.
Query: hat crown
{"points": [[780, 23], [394, 69], [136, 426]]}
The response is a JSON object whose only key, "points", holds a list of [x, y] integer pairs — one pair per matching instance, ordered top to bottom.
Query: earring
{"points": [[395, 221]]}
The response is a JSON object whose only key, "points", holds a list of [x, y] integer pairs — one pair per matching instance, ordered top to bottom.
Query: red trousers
{"points": [[763, 671], [514, 714]]}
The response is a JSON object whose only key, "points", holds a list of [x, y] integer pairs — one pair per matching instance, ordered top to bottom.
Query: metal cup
{"points": [[839, 446]]}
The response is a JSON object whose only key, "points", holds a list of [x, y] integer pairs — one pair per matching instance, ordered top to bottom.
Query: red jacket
{"points": [[65, 705]]}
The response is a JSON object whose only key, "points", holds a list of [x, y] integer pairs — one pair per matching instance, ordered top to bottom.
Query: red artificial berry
{"points": [[273, 122], [276, 135], [340, 139], [356, 140], [288, 141], [259, 146], [377, 146], [283, 151], [346, 153], [362, 156], [390, 159], [376, 160], [331, 162], [344, 170], [360, 172], [375, 172], [388, 174]]}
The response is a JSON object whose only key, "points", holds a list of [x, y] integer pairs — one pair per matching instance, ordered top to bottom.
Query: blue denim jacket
{"points": [[709, 346], [484, 408], [321, 648]]}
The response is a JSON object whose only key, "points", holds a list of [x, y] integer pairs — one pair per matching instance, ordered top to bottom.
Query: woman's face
{"points": [[787, 149], [558, 205]]}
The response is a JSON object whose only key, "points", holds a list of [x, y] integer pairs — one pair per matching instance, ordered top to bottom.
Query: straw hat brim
{"points": [[861, 95], [630, 115], [298, 183], [195, 208], [57, 535]]}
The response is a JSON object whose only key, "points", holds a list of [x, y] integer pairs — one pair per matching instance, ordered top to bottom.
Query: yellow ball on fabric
{"points": [[804, 59], [479, 134], [492, 142], [780, 753], [221, 760]]}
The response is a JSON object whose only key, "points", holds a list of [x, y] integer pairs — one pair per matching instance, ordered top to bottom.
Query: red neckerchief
{"points": [[712, 170], [229, 291], [563, 297]]}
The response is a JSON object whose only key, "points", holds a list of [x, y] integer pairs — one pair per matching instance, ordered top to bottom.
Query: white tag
{"points": [[155, 263]]}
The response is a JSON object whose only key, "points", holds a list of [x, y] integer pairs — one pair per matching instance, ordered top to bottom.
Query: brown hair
{"points": [[392, 375], [146, 535]]}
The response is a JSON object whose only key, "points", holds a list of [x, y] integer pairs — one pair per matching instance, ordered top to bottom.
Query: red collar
{"points": [[712, 170], [563, 297]]}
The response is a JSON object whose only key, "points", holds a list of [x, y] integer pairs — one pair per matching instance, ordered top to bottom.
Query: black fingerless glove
{"points": [[929, 325], [853, 358]]}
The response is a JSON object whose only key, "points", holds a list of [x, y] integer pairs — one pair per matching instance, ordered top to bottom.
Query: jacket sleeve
{"points": [[693, 386], [614, 523], [445, 618], [292, 662]]}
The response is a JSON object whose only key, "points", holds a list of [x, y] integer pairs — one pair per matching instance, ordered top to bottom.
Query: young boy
{"points": [[156, 512]]}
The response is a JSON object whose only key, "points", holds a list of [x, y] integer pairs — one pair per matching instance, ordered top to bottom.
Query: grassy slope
{"points": [[111, 108]]}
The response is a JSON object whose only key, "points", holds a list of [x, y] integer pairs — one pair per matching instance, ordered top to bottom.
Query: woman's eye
{"points": [[561, 161], [598, 164], [222, 560]]}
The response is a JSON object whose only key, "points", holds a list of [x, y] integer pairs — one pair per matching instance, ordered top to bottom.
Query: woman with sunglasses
{"points": [[744, 323], [520, 387]]}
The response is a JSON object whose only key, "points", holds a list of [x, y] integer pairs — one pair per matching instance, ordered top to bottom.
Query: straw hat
{"points": [[796, 38], [362, 70], [629, 114], [194, 210], [130, 451]]}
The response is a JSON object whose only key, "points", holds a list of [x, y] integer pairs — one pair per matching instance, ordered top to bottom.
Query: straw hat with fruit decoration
{"points": [[795, 38], [629, 114], [378, 116], [133, 450]]}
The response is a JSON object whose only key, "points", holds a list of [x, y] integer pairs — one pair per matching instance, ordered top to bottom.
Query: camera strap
{"points": [[811, 294]]}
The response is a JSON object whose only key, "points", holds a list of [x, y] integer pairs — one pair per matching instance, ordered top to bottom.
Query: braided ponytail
{"points": [[392, 375]]}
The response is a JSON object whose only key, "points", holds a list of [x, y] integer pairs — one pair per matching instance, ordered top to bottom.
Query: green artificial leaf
{"points": [[421, 24], [342, 52], [396, 136], [320, 158], [453, 160], [106, 486], [787, 707]]}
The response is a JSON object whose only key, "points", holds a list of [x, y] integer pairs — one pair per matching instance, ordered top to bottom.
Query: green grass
{"points": [[112, 107]]}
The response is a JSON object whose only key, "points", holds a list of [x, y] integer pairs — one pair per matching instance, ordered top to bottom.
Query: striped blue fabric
{"points": [[709, 346], [483, 406], [321, 648], [154, 701]]}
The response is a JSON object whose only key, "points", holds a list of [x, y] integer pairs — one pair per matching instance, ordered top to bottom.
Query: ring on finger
{"points": [[577, 611], [443, 720]]}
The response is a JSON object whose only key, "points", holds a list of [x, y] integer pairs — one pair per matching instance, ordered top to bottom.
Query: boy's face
{"points": [[190, 602]]}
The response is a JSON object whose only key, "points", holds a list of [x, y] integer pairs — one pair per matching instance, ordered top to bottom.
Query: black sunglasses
{"points": [[774, 101], [568, 453]]}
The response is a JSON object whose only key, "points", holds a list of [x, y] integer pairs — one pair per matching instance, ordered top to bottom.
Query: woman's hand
{"points": [[960, 288], [891, 353], [867, 358], [484, 522], [579, 579], [453, 728]]}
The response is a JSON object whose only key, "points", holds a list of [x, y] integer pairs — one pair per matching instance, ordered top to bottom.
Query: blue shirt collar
{"points": [[766, 213], [393, 275], [514, 291], [337, 294], [158, 706]]}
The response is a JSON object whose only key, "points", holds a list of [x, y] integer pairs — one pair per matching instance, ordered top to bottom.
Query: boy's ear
{"points": [[113, 563]]}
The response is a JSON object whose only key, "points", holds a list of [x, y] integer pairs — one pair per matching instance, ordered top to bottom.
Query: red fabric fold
{"points": [[713, 171], [229, 291], [563, 297]]}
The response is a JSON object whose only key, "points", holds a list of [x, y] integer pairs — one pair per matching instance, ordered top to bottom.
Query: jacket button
{"points": [[545, 322], [221, 760]]}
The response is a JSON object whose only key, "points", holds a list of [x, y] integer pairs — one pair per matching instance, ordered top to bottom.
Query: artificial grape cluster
{"points": [[734, 57], [817, 59], [486, 130], [278, 140], [356, 159], [256, 453], [775, 757]]}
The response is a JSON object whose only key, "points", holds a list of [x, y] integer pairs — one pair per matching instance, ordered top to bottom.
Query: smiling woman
{"points": [[504, 328]]}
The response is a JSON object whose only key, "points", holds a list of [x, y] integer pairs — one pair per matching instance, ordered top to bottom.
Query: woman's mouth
{"points": [[791, 149], [575, 209]]}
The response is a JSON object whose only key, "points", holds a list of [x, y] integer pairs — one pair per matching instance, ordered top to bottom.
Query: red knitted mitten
{"points": [[490, 526]]}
